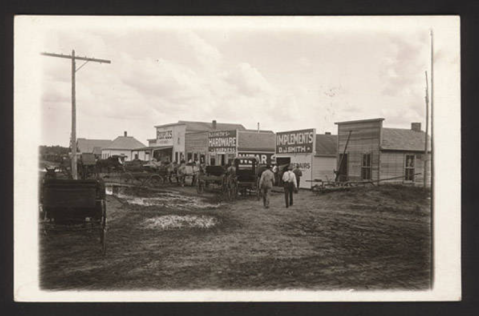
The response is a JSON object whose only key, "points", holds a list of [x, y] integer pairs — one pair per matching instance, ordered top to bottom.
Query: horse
{"points": [[185, 170]]}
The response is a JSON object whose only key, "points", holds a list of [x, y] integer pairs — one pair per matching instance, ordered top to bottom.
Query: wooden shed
{"points": [[369, 151]]}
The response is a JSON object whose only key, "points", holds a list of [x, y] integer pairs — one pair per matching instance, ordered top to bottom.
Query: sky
{"points": [[286, 77]]}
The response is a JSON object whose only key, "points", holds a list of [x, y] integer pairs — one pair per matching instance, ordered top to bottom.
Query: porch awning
{"points": [[153, 148]]}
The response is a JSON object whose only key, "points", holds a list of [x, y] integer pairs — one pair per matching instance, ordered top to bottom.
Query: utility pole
{"points": [[74, 70], [427, 127]]}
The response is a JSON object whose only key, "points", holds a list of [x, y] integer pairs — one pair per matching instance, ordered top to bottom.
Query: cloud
{"points": [[206, 54], [404, 65], [248, 80]]}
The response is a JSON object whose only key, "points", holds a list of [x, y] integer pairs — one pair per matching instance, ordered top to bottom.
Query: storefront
{"points": [[169, 144], [222, 147], [297, 148]]}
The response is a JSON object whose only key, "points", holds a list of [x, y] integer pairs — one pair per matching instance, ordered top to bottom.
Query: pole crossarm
{"points": [[78, 58]]}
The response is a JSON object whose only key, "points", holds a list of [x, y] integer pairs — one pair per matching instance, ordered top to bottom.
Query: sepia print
{"points": [[240, 158]]}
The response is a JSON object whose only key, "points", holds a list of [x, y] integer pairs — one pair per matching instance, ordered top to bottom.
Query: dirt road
{"points": [[365, 239]]}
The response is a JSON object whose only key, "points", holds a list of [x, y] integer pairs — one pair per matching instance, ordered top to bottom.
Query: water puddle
{"points": [[164, 198], [167, 222]]}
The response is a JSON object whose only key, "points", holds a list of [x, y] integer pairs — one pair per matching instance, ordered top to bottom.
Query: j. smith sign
{"points": [[222, 142], [295, 142]]}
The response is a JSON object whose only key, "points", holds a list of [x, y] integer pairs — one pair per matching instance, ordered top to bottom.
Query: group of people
{"points": [[291, 180]]}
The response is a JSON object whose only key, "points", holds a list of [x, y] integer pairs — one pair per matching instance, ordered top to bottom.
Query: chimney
{"points": [[214, 124], [258, 127], [416, 127], [125, 133], [327, 133]]}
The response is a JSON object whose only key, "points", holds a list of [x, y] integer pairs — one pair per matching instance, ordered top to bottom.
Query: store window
{"points": [[366, 167], [409, 168]]}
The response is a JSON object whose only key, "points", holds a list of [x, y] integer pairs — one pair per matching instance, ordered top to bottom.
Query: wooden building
{"points": [[184, 140], [92, 146], [124, 146], [369, 151]]}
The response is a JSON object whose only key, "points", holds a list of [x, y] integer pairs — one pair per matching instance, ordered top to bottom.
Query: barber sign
{"points": [[295, 142]]}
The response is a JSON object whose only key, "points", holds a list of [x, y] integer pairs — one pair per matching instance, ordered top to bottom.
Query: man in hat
{"points": [[298, 174], [266, 183], [290, 185]]}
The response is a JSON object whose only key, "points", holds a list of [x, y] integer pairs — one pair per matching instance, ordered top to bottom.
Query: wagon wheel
{"points": [[126, 177], [155, 180]]}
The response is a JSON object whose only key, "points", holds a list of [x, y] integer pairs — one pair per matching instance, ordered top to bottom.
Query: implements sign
{"points": [[222, 142], [295, 142]]}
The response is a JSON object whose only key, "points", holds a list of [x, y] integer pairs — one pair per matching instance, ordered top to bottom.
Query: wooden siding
{"points": [[365, 139], [196, 143], [393, 165], [323, 168]]}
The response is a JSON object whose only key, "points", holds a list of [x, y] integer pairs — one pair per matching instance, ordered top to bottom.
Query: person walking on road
{"points": [[298, 174], [266, 184], [290, 185]]}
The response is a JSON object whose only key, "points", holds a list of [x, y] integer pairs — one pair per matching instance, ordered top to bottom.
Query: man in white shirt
{"points": [[289, 181]]}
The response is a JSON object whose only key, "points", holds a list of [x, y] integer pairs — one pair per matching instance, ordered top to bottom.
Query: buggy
{"points": [[74, 205]]}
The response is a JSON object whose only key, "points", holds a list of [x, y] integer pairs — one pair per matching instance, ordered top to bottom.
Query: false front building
{"points": [[184, 140], [369, 151]]}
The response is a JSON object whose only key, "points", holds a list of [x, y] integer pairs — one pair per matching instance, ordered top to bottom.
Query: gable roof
{"points": [[208, 126], [403, 139], [254, 141], [125, 142], [89, 145], [326, 145]]}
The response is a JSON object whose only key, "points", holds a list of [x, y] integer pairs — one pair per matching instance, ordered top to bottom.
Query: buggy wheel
{"points": [[155, 180]]}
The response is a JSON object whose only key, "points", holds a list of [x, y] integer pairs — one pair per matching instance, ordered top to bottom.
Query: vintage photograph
{"points": [[247, 155]]}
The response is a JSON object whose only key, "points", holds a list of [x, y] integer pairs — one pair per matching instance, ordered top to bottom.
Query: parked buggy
{"points": [[247, 170], [74, 205]]}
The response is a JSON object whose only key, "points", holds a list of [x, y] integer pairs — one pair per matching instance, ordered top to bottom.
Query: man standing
{"points": [[298, 174], [289, 181], [266, 184]]}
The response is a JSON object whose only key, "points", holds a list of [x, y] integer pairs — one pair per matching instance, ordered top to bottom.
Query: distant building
{"points": [[184, 140], [93, 146], [125, 146], [374, 152]]}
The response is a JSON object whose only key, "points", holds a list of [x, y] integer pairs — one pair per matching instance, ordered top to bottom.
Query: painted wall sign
{"points": [[164, 137], [222, 142], [295, 142], [264, 158], [305, 165]]}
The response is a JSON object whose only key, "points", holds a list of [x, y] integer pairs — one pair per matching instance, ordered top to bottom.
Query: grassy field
{"points": [[364, 239]]}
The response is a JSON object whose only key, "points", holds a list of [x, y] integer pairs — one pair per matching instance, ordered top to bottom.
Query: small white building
{"points": [[124, 146], [315, 155]]}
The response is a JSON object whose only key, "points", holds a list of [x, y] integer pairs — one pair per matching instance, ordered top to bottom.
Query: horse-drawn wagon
{"points": [[247, 175], [217, 177], [74, 205]]}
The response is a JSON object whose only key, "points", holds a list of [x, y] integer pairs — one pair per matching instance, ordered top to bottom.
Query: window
{"points": [[178, 140], [136, 156], [190, 156], [176, 157], [195, 157], [213, 161], [366, 167], [409, 168]]}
